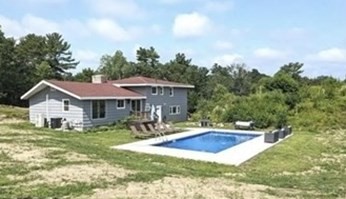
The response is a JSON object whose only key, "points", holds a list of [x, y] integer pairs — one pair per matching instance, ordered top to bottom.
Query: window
{"points": [[154, 90], [161, 90], [171, 91], [120, 104], [65, 105], [98, 109], [174, 110]]}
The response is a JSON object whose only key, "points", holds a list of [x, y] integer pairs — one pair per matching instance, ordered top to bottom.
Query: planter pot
{"points": [[282, 133], [271, 137]]}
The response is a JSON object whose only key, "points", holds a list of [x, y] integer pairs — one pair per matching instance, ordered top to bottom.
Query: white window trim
{"points": [[171, 89], [157, 90], [162, 90], [63, 105], [123, 106], [91, 110], [178, 111]]}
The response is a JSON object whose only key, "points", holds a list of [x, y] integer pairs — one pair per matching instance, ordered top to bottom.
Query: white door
{"points": [[158, 111]]}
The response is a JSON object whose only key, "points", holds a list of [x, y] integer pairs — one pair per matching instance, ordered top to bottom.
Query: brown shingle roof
{"points": [[140, 80], [91, 90], [84, 91]]}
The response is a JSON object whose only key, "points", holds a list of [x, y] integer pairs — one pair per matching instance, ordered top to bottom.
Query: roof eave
{"points": [[147, 84], [37, 88], [112, 97]]}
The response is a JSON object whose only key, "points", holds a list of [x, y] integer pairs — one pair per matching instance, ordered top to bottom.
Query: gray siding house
{"points": [[85, 105]]}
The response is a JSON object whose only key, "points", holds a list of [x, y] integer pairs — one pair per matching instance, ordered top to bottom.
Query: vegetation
{"points": [[311, 164], [307, 165]]}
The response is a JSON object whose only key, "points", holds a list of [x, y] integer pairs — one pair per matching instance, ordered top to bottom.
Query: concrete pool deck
{"points": [[231, 156]]}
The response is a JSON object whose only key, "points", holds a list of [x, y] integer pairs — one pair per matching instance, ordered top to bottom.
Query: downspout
{"points": [[47, 109]]}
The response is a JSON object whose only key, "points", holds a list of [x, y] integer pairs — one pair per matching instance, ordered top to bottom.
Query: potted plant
{"points": [[271, 136]]}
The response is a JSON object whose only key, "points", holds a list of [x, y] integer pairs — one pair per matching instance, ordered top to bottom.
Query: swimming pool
{"points": [[211, 141], [235, 152]]}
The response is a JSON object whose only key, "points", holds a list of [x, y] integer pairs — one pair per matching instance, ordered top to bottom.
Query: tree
{"points": [[30, 53], [58, 55], [148, 62], [115, 67], [292, 69], [44, 71], [11, 74], [85, 75], [241, 80], [287, 85]]}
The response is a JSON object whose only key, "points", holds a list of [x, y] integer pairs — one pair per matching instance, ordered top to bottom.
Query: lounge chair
{"points": [[244, 125], [168, 128], [145, 131], [158, 132], [138, 134]]}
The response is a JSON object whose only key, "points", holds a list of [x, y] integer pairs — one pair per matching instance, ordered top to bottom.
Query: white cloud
{"points": [[42, 1], [170, 2], [218, 6], [118, 8], [28, 24], [38, 25], [190, 25], [74, 27], [11, 28], [109, 29], [223, 45], [269, 53], [336, 55], [86, 56], [228, 59]]}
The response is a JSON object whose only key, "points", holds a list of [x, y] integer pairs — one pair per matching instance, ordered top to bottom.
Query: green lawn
{"points": [[307, 165]]}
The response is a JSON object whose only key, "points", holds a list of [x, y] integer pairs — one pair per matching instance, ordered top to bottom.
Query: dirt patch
{"points": [[10, 120], [7, 130], [23, 152], [76, 157], [333, 158], [79, 173], [180, 187]]}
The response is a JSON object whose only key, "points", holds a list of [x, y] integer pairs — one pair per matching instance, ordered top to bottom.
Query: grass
{"points": [[13, 112], [297, 163]]}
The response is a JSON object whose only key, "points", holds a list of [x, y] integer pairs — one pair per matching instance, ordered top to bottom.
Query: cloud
{"points": [[42, 1], [170, 2], [218, 6], [117, 8], [28, 24], [39, 25], [191, 25], [11, 27], [71, 28], [75, 28], [109, 29], [223, 45], [269, 53], [334, 55], [86, 56], [228, 59]]}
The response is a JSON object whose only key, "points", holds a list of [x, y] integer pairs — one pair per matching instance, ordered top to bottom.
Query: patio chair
{"points": [[168, 128], [145, 131], [157, 131], [138, 134]]}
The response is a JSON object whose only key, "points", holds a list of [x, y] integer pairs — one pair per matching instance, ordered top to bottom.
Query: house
{"points": [[85, 105]]}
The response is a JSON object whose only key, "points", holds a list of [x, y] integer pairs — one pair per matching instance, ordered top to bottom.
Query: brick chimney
{"points": [[99, 79]]}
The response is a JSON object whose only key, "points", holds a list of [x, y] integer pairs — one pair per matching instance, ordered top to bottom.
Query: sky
{"points": [[262, 34]]}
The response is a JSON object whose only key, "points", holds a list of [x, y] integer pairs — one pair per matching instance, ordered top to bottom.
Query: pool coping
{"points": [[235, 155]]}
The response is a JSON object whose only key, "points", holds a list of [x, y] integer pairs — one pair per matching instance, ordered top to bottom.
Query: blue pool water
{"points": [[211, 141]]}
